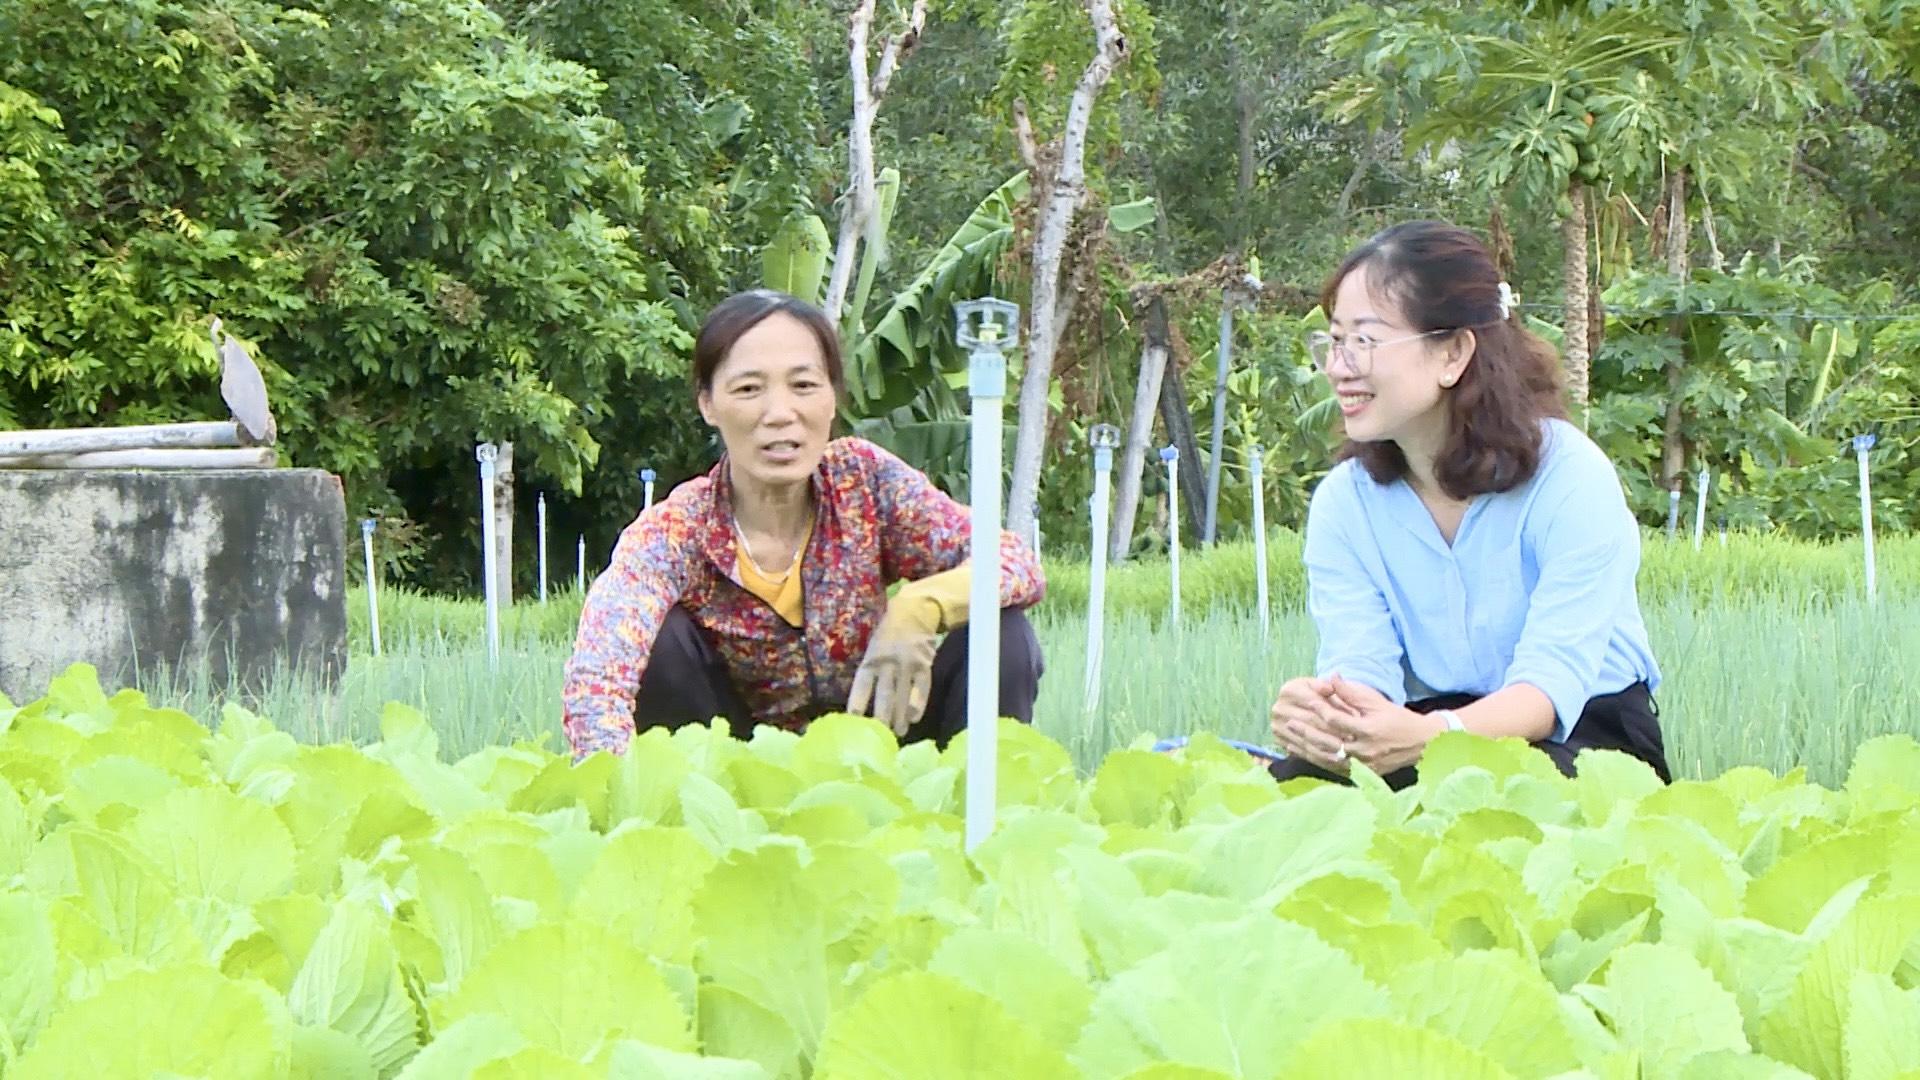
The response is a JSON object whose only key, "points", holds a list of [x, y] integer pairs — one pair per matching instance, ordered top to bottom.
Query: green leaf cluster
{"points": [[186, 903]]}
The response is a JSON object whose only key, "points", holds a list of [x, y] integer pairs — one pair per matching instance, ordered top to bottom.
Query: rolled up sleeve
{"points": [[925, 531], [1588, 550], [1349, 607], [624, 611]]}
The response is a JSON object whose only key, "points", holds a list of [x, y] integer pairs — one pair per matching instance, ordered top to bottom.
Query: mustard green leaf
{"points": [[843, 746], [1884, 774], [646, 782], [1610, 782], [562, 784], [1139, 787], [715, 818], [212, 843], [1274, 849], [642, 887], [1791, 891], [128, 901], [458, 913], [762, 932], [350, 981], [1032, 985], [27, 987], [569, 987], [1492, 1002], [1188, 1003], [1663, 1003], [176, 1020], [732, 1025], [924, 1026], [1806, 1028], [1881, 1037], [1384, 1047], [461, 1048], [321, 1053], [630, 1060], [535, 1063], [1733, 1065]]}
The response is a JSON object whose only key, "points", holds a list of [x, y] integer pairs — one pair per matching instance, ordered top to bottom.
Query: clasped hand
{"points": [[1332, 723]]}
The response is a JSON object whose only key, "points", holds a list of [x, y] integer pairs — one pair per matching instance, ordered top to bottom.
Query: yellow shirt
{"points": [[785, 596]]}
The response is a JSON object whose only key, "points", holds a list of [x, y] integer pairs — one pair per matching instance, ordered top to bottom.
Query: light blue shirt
{"points": [[1537, 588]]}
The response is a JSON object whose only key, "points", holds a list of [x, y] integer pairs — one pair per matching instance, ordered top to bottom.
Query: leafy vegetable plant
{"points": [[181, 902]]}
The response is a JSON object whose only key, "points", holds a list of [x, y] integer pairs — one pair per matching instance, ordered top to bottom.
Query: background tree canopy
{"points": [[436, 223]]}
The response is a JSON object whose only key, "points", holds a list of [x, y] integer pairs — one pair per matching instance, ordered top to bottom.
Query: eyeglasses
{"points": [[1358, 349]]}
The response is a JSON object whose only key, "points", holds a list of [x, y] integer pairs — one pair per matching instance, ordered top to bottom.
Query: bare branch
{"points": [[899, 46], [1023, 134], [859, 160], [1066, 191]]}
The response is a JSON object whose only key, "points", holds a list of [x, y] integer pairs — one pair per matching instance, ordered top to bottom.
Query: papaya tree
{"points": [[1559, 99]]}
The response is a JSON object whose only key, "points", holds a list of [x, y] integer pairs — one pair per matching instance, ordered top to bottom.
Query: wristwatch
{"points": [[1451, 718]]}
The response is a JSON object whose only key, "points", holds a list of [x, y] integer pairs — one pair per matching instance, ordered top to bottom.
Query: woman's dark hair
{"points": [[1441, 278], [731, 318]]}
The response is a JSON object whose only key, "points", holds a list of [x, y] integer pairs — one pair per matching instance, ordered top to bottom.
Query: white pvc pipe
{"points": [[987, 383], [1104, 437], [1862, 444], [486, 453], [1171, 455], [646, 481], [1700, 508], [1259, 540], [543, 547], [580, 566], [373, 589]]}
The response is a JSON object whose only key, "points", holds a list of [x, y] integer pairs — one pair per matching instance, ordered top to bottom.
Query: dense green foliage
{"points": [[441, 223], [235, 903]]}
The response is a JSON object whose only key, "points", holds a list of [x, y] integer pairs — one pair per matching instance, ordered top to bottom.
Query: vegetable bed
{"points": [[238, 905]]}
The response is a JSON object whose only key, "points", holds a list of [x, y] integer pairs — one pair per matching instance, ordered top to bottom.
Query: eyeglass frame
{"points": [[1322, 335]]}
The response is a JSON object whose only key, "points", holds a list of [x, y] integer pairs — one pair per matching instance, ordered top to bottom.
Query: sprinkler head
{"points": [[989, 323], [1103, 436], [1864, 443], [485, 453], [1169, 453], [646, 476], [366, 527]]}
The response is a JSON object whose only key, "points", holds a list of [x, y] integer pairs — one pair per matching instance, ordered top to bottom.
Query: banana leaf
{"points": [[912, 344]]}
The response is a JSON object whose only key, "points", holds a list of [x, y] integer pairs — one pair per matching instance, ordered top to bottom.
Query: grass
{"points": [[1758, 677]]}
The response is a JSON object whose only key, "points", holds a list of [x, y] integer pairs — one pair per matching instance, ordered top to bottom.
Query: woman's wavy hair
{"points": [[1441, 278]]}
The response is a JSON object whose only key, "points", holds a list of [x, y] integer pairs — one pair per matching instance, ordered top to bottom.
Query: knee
{"points": [[1021, 659]]}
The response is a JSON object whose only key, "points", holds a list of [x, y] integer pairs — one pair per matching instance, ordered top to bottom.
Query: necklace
{"points": [[746, 549]]}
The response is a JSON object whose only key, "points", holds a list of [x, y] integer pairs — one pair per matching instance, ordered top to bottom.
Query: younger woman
{"points": [[1471, 559]]}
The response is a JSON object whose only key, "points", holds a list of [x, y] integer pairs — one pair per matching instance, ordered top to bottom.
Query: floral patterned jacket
{"points": [[878, 520]]}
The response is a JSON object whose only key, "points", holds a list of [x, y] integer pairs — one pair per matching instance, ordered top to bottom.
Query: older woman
{"points": [[1471, 561], [758, 592]]}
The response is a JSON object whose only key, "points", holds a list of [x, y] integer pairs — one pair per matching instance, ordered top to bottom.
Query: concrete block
{"points": [[242, 571]]}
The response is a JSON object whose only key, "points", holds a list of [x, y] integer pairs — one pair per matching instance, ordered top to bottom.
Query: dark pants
{"points": [[686, 682], [1628, 721]]}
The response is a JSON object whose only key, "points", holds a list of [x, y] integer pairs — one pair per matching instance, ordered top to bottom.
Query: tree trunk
{"points": [[1062, 198], [862, 200], [1574, 306], [1179, 424], [1133, 453], [1673, 457]]}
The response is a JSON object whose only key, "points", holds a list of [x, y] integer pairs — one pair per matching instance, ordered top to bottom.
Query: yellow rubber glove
{"points": [[896, 675]]}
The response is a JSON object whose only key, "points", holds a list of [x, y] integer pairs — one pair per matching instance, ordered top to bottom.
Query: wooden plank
{"points": [[196, 435], [257, 457]]}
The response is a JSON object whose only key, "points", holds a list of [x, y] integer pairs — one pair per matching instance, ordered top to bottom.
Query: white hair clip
{"points": [[1506, 301]]}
